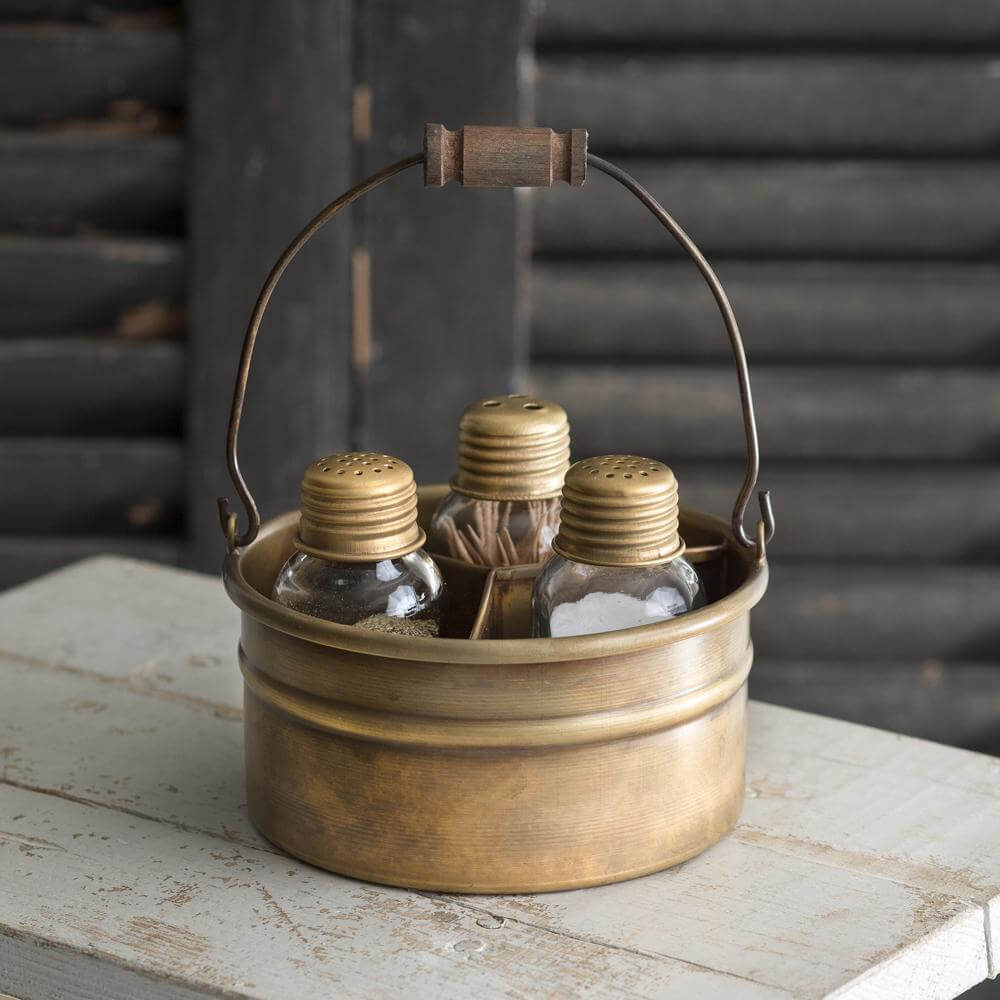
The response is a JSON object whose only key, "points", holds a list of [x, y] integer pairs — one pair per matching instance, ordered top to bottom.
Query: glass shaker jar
{"points": [[503, 508], [359, 559], [619, 560]]}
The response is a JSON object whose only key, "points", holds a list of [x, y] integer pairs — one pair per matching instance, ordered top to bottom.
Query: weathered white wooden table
{"points": [[866, 864]]}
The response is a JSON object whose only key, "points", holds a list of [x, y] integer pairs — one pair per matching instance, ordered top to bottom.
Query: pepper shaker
{"points": [[359, 559]]}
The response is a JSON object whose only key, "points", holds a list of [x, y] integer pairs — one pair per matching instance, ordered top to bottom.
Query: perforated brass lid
{"points": [[512, 448], [358, 506], [619, 510]]}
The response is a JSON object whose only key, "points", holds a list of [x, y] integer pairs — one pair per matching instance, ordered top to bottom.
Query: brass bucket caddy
{"points": [[493, 762]]}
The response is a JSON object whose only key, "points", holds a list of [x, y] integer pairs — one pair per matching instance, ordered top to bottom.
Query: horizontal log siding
{"points": [[836, 161], [92, 280]]}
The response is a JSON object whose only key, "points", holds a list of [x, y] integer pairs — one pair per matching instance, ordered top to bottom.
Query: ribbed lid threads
{"points": [[512, 448], [358, 506], [619, 510]]}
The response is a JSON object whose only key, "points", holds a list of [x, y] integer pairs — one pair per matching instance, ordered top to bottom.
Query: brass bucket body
{"points": [[495, 765]]}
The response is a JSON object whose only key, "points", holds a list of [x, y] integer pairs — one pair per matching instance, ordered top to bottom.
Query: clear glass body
{"points": [[494, 532], [401, 595], [574, 598]]}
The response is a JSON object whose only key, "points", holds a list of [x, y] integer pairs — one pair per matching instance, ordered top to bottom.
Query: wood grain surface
{"points": [[889, 23], [97, 66], [727, 103], [836, 161], [266, 165], [65, 183], [779, 207], [92, 272], [58, 285], [447, 307], [818, 312], [81, 386], [803, 412], [119, 485]]}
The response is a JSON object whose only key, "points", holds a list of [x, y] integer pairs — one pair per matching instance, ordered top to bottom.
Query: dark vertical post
{"points": [[269, 112], [445, 264]]}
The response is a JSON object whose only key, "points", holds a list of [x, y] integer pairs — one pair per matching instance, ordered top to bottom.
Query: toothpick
{"points": [[477, 544], [510, 550]]}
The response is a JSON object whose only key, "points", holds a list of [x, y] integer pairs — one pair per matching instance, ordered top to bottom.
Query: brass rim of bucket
{"points": [[494, 651]]}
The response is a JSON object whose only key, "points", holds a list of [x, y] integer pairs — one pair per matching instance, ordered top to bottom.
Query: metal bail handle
{"points": [[488, 156], [765, 529]]}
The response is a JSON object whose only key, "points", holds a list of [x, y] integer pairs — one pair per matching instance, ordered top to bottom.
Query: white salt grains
{"points": [[602, 612]]}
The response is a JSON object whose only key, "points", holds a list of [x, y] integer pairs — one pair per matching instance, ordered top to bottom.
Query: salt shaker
{"points": [[503, 508], [359, 559], [619, 560]]}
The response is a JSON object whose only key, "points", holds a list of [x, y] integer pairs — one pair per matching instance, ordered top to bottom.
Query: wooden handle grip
{"points": [[495, 156]]}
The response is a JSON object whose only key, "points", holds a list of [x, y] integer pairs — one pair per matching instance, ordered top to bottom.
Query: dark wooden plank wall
{"points": [[270, 144], [837, 162], [120, 201], [446, 264], [91, 282], [391, 319]]}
